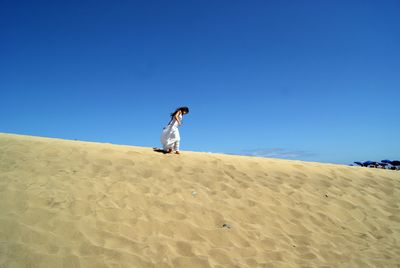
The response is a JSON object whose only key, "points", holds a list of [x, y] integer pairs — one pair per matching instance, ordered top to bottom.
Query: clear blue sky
{"points": [[309, 80]]}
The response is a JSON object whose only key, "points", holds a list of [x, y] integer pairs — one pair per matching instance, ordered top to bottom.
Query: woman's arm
{"points": [[177, 117]]}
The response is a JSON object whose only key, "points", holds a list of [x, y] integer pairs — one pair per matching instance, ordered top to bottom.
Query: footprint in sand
{"points": [[107, 151], [133, 153], [102, 162], [125, 162], [178, 168], [147, 173], [184, 248]]}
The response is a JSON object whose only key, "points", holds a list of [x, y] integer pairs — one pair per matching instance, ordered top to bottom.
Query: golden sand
{"points": [[80, 204]]}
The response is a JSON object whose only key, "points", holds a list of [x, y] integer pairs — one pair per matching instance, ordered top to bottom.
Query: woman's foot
{"points": [[169, 151], [177, 152]]}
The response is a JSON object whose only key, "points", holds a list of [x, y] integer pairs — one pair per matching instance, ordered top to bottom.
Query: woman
{"points": [[170, 137]]}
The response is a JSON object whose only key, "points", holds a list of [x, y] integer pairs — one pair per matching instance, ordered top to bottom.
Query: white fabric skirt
{"points": [[169, 137]]}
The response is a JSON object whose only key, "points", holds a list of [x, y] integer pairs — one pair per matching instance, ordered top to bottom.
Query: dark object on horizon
{"points": [[370, 163], [395, 163], [385, 164]]}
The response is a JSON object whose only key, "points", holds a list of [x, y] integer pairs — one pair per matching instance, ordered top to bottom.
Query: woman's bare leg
{"points": [[176, 147]]}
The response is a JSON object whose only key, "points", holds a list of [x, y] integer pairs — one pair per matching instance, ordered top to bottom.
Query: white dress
{"points": [[170, 137]]}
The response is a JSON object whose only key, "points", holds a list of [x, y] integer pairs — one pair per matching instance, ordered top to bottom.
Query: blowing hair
{"points": [[182, 109]]}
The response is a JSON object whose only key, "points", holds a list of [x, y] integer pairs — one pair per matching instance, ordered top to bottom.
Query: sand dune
{"points": [[79, 204]]}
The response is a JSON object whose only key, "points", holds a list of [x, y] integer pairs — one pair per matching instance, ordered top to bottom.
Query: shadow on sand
{"points": [[159, 150]]}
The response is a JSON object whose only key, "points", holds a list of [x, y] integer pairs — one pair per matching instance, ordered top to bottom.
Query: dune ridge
{"points": [[80, 204]]}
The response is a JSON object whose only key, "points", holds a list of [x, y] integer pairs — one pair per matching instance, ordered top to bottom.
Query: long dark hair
{"points": [[182, 109]]}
